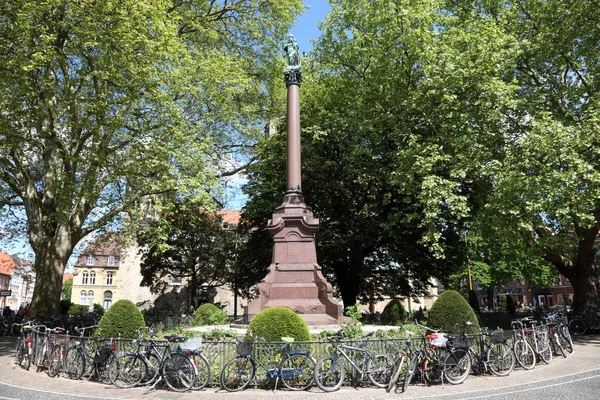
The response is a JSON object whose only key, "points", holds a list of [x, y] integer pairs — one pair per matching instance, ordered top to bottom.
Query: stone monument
{"points": [[294, 279]]}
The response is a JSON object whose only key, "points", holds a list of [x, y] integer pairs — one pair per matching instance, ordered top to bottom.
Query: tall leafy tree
{"points": [[106, 103], [188, 244]]}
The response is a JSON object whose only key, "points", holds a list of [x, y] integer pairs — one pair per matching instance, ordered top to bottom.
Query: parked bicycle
{"points": [[580, 324], [564, 336], [45, 341], [531, 341], [193, 347], [24, 350], [491, 352], [81, 360], [441, 360], [153, 363], [405, 366], [295, 368], [330, 369]]}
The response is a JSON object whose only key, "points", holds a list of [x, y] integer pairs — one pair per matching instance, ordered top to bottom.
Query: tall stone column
{"points": [[294, 279]]}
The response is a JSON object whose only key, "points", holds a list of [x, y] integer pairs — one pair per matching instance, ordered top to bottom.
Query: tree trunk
{"points": [[52, 248], [49, 267], [586, 296]]}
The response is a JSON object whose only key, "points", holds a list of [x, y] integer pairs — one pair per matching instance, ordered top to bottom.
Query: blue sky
{"points": [[306, 27]]}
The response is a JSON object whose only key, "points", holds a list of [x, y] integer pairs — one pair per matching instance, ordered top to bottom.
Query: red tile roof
{"points": [[230, 216], [106, 245], [7, 264], [66, 277]]}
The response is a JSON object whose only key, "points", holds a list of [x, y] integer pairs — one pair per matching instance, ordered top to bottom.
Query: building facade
{"points": [[17, 281]]}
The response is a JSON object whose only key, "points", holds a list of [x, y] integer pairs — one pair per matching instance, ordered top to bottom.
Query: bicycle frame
{"points": [[366, 355]]}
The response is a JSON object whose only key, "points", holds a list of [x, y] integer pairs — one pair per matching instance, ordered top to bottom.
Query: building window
{"points": [[90, 260], [111, 261], [84, 278], [92, 278], [109, 278], [176, 278], [83, 298], [90, 299], [107, 299]]}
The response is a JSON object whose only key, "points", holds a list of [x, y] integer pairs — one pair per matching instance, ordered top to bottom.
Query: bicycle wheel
{"points": [[577, 326], [565, 341], [558, 346], [544, 350], [524, 354], [22, 357], [500, 359], [55, 362], [74, 363], [457, 366], [102, 367], [433, 367], [379, 368], [152, 369], [202, 370], [410, 370], [127, 371], [297, 371], [179, 372], [237, 373], [329, 373], [395, 373]]}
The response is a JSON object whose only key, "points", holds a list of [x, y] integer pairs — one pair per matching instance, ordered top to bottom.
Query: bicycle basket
{"points": [[58, 339], [460, 341], [192, 343], [244, 348]]}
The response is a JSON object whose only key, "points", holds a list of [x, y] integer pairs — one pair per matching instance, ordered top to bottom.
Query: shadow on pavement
{"points": [[587, 340], [7, 345]]}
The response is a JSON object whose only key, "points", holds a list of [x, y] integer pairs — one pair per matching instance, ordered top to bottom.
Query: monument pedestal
{"points": [[294, 279]]}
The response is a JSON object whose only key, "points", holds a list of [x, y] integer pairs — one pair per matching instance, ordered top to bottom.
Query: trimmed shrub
{"points": [[78, 309], [99, 310], [451, 312], [393, 313], [209, 314], [124, 318], [276, 322]]}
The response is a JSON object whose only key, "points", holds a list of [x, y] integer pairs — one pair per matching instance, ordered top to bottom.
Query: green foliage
{"points": [[146, 97], [189, 245], [67, 288], [78, 309], [98, 309], [393, 313], [450, 313], [209, 314], [419, 315], [123, 318], [276, 322], [352, 329], [217, 334]]}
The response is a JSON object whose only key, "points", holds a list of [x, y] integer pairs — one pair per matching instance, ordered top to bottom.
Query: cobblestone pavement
{"points": [[576, 377]]}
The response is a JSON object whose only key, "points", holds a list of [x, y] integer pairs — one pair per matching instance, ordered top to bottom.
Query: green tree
{"points": [[107, 103], [544, 201], [189, 244], [67, 288]]}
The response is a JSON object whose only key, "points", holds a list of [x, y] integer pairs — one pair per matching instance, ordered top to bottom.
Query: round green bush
{"points": [[393, 313], [450, 313], [209, 314], [124, 318], [276, 322]]}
